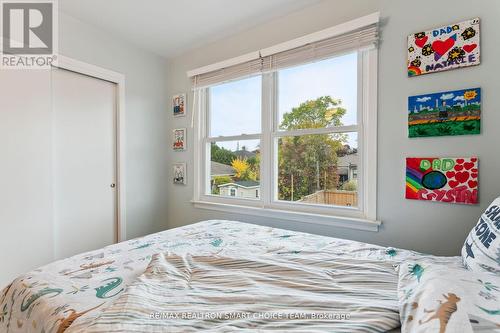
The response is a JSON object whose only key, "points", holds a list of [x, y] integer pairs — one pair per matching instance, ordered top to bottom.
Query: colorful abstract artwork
{"points": [[444, 48], [179, 105], [446, 113], [179, 140], [179, 170], [453, 180]]}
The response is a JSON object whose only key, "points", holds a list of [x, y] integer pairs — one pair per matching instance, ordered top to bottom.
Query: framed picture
{"points": [[444, 48], [179, 105], [456, 112], [179, 139], [179, 173], [452, 180]]}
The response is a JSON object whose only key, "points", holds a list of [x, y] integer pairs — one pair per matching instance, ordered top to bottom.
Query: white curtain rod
{"points": [[294, 43]]}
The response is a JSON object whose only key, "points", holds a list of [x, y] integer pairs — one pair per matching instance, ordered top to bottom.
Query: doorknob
{"points": [[113, 185]]}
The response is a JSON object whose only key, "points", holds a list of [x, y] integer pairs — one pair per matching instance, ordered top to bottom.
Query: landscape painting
{"points": [[444, 48], [446, 113], [452, 180]]}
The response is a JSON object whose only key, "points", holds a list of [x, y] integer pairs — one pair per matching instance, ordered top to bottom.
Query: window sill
{"points": [[330, 220]]}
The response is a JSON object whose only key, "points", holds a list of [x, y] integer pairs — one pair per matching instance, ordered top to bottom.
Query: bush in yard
{"points": [[351, 185]]}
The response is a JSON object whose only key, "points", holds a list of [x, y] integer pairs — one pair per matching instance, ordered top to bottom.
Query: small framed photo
{"points": [[179, 105], [179, 139], [179, 173]]}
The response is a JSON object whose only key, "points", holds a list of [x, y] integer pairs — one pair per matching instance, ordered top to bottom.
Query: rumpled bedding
{"points": [[73, 294], [224, 294]]}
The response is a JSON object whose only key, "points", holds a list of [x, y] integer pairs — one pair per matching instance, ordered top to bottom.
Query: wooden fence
{"points": [[336, 198]]}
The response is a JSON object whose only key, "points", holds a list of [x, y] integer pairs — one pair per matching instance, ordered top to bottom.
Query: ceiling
{"points": [[172, 27]]}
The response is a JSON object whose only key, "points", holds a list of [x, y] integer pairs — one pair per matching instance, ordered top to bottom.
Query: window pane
{"points": [[319, 94], [235, 107], [235, 169], [319, 169]]}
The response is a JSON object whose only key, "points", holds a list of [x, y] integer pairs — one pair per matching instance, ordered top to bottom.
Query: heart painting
{"points": [[448, 47], [452, 180]]}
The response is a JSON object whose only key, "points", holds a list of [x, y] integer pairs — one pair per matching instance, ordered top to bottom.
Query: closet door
{"points": [[84, 162]]}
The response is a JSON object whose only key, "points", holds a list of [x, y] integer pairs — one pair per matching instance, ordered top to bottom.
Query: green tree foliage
{"points": [[321, 112], [221, 155], [308, 163], [254, 165], [219, 180]]}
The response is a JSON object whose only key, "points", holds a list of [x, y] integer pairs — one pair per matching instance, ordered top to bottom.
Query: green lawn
{"points": [[445, 128]]}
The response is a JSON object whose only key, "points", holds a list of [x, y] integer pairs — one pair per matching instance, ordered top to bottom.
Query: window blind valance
{"points": [[266, 61], [225, 74]]}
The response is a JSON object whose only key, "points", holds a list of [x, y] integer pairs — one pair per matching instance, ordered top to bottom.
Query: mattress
{"points": [[77, 294]]}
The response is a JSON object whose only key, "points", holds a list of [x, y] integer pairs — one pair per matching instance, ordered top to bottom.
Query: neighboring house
{"points": [[243, 154], [347, 167], [219, 169], [247, 189]]}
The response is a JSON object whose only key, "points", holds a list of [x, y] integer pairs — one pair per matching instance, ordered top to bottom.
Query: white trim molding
{"points": [[119, 79], [370, 139], [333, 221]]}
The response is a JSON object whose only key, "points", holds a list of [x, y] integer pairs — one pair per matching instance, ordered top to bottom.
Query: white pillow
{"points": [[481, 250], [440, 298]]}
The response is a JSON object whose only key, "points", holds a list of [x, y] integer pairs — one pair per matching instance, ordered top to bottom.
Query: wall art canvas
{"points": [[452, 46], [179, 105], [455, 112], [179, 143], [179, 173], [452, 180]]}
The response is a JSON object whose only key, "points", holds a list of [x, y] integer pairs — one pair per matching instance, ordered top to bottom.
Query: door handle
{"points": [[113, 185]]}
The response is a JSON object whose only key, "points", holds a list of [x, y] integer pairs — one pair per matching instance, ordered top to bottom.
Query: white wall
{"points": [[430, 227], [26, 228], [26, 232]]}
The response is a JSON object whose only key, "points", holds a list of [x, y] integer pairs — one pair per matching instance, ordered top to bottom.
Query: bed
{"points": [[317, 282]]}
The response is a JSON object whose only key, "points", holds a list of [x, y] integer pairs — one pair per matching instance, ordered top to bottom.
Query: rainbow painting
{"points": [[452, 180]]}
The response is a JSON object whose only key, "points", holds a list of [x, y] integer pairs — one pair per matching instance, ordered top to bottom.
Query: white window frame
{"points": [[362, 217]]}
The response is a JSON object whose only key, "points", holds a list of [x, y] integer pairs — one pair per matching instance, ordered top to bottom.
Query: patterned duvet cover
{"points": [[69, 295]]}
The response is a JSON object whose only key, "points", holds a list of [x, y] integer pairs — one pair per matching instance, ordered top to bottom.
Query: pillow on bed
{"points": [[481, 250], [438, 298]]}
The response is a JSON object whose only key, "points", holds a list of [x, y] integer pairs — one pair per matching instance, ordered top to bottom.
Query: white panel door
{"points": [[84, 162]]}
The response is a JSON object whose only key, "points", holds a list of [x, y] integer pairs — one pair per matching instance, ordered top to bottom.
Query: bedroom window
{"points": [[317, 132], [234, 133], [291, 135]]}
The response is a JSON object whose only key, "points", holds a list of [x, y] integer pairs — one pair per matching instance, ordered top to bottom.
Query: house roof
{"points": [[244, 153], [347, 160], [344, 162], [219, 169], [243, 183]]}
